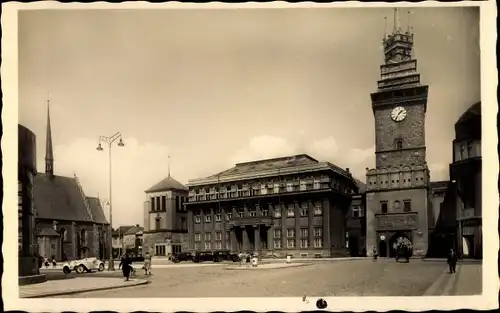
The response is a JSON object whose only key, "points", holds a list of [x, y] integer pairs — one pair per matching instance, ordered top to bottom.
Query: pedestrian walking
{"points": [[375, 253], [46, 261], [452, 261], [54, 263], [147, 263], [126, 266]]}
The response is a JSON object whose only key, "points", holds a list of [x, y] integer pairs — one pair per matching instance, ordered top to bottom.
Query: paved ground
{"points": [[265, 266], [349, 278], [465, 282], [57, 287]]}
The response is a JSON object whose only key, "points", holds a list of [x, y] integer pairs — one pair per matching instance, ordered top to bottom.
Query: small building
{"points": [[466, 176], [290, 205], [165, 218], [356, 223], [118, 240], [132, 240]]}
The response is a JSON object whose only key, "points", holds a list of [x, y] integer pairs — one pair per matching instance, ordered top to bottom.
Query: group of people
{"points": [[247, 258], [45, 261], [127, 268]]}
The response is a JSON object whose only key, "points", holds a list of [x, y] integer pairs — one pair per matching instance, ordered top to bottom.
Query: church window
{"points": [[407, 205], [383, 206]]}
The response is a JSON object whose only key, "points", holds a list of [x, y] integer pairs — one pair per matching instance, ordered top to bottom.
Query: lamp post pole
{"points": [[110, 140]]}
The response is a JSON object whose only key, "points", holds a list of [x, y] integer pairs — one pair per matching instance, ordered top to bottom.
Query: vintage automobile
{"points": [[182, 256], [203, 256], [84, 265]]}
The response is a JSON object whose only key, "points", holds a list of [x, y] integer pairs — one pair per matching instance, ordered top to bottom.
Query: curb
{"points": [[264, 268], [61, 293]]}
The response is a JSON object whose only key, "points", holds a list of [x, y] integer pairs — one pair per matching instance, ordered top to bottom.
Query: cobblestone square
{"points": [[328, 278]]}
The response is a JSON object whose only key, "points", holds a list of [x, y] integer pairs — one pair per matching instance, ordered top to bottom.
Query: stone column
{"points": [[257, 208], [282, 208], [245, 209], [297, 224], [310, 224], [190, 225], [244, 233], [257, 237], [270, 239], [234, 241]]}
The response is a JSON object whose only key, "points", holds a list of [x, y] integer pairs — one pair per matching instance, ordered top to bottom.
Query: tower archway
{"points": [[394, 238]]}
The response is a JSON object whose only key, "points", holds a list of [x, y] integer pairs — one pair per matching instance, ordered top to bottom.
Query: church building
{"points": [[398, 189], [68, 224]]}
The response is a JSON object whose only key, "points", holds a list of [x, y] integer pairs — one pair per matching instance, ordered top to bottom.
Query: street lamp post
{"points": [[110, 140]]}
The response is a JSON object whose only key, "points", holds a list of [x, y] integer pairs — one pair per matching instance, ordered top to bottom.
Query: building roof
{"points": [[473, 111], [301, 163], [169, 183], [361, 185], [443, 185], [59, 198], [97, 210], [122, 230], [134, 230]]}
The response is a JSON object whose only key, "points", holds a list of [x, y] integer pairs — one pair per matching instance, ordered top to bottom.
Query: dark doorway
{"points": [[239, 237], [263, 237], [251, 238], [392, 241], [353, 246], [382, 249]]}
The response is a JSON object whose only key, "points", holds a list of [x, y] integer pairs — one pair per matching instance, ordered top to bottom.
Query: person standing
{"points": [[452, 261], [147, 263], [126, 265]]}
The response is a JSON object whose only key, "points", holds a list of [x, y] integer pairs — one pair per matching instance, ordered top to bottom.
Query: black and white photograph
{"points": [[304, 153]]}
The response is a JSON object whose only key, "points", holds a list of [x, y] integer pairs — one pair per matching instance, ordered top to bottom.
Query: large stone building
{"points": [[26, 170], [466, 175], [398, 196], [290, 205], [165, 218], [68, 224]]}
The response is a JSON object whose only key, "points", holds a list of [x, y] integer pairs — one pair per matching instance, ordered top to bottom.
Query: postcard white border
{"points": [[490, 193]]}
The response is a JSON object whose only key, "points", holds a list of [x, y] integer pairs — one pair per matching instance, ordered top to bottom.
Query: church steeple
{"points": [[398, 45], [49, 154]]}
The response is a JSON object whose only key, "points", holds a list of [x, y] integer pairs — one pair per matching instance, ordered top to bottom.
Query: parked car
{"points": [[225, 255], [182, 256], [203, 256], [84, 265]]}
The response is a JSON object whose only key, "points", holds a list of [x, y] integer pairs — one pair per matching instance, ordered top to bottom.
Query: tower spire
{"points": [[397, 24], [385, 27], [49, 154], [169, 166]]}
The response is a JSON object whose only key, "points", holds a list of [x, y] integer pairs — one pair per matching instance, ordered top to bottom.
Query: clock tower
{"points": [[397, 188]]}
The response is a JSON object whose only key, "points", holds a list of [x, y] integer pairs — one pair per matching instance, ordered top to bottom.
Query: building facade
{"points": [[26, 170], [466, 176], [397, 189], [291, 205], [165, 218], [356, 223], [68, 224]]}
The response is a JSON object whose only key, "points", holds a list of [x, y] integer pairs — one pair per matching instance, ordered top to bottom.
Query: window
{"points": [[399, 144], [469, 149], [317, 184], [303, 185], [289, 187], [276, 188], [263, 189], [152, 201], [163, 203], [397, 205], [407, 205], [158, 206], [383, 206], [291, 210], [318, 210], [277, 211], [304, 211], [241, 212], [253, 212], [264, 212], [357, 212], [218, 215], [229, 215], [208, 218], [197, 219], [157, 223], [290, 232], [304, 232], [318, 232], [277, 233], [218, 235], [208, 236], [197, 237], [290, 243], [304, 243], [318, 243], [277, 244], [208, 245], [218, 245], [197, 246], [160, 250]]}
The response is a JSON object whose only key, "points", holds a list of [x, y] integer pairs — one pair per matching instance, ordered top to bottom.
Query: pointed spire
{"points": [[397, 24], [385, 27], [49, 154], [169, 166]]}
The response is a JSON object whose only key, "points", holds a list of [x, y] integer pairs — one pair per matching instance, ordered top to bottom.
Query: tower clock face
{"points": [[398, 114]]}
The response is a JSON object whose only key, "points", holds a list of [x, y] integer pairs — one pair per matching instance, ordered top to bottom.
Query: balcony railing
{"points": [[283, 189]]}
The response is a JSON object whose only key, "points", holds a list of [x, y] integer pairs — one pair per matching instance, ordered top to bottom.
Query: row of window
{"points": [[396, 181], [159, 203], [396, 206], [303, 212], [290, 233], [304, 243], [208, 245]]}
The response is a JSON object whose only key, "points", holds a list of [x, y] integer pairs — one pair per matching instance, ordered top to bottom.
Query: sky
{"points": [[215, 87]]}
